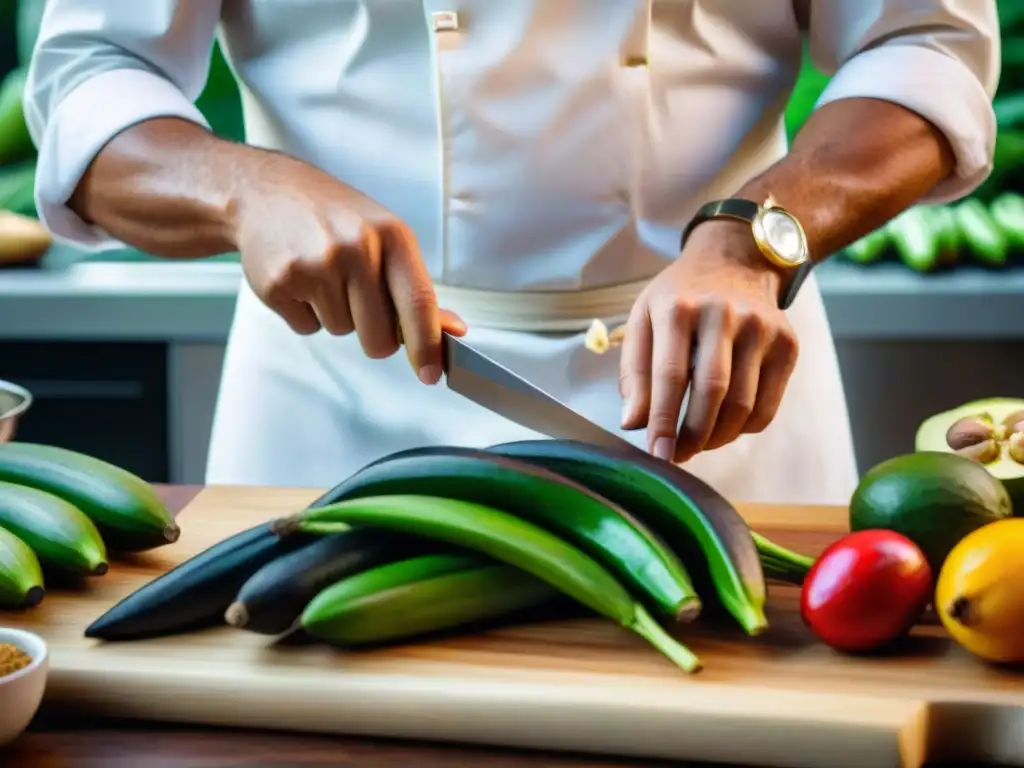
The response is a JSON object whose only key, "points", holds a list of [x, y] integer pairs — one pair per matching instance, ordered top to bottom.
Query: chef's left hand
{"points": [[709, 321]]}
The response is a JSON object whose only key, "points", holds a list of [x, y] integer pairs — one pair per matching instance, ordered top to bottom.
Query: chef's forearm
{"points": [[855, 164], [166, 186]]}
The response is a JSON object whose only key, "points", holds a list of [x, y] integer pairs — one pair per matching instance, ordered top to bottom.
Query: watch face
{"points": [[784, 236]]}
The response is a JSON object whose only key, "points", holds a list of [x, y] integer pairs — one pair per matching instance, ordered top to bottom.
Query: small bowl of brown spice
{"points": [[24, 663]]}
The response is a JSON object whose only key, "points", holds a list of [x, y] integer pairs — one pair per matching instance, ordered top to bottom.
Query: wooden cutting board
{"points": [[780, 699]]}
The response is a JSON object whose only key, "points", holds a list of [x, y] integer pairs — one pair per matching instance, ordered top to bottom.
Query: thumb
{"points": [[452, 323]]}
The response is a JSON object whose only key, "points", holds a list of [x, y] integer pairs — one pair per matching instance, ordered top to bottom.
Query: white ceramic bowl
{"points": [[14, 401], [22, 692]]}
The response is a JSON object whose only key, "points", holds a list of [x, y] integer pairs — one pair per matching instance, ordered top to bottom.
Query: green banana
{"points": [[1009, 111], [15, 141], [17, 188], [1007, 212], [947, 233], [981, 234], [915, 239], [869, 248], [125, 508], [700, 525], [601, 528], [58, 532], [504, 537], [21, 577], [421, 596], [272, 598]]}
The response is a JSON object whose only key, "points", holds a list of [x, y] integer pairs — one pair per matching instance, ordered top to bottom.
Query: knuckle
{"points": [[346, 224], [390, 227], [368, 235], [396, 238], [336, 254], [351, 254], [280, 285], [420, 298], [676, 311], [725, 311], [753, 325], [787, 342], [673, 372], [627, 377], [625, 383], [715, 386], [739, 407], [661, 424]]}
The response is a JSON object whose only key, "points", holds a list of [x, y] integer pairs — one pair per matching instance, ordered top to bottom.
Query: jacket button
{"points": [[445, 21]]}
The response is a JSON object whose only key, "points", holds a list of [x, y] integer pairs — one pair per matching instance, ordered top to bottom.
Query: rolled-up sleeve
{"points": [[938, 58], [99, 67]]}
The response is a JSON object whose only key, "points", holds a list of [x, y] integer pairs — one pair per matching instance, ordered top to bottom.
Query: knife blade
{"points": [[490, 384]]}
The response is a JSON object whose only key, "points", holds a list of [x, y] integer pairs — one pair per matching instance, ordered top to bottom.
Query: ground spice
{"points": [[12, 658]]}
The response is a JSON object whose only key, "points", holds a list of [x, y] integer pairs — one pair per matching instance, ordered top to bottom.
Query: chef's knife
{"points": [[493, 386]]}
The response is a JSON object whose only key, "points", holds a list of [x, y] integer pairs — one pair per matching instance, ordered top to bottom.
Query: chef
{"points": [[510, 171]]}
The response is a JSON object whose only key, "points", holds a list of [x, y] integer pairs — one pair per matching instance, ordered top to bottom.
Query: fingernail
{"points": [[429, 374], [627, 413], [664, 448]]}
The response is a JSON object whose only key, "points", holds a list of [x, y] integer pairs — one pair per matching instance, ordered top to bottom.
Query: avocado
{"points": [[989, 431], [933, 498]]}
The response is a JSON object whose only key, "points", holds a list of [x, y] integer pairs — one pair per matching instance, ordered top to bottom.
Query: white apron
{"points": [[547, 155]]}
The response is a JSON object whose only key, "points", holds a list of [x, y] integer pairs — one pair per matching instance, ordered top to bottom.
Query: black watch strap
{"points": [[733, 208], [746, 210]]}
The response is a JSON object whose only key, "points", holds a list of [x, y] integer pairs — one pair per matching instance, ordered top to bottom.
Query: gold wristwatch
{"points": [[777, 233]]}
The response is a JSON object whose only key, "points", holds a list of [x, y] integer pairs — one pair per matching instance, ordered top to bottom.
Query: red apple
{"points": [[866, 590]]}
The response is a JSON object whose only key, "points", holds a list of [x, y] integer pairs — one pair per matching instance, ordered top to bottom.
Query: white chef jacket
{"points": [[546, 153]]}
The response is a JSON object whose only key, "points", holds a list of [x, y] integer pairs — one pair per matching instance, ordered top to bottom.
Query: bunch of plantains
{"points": [[444, 538]]}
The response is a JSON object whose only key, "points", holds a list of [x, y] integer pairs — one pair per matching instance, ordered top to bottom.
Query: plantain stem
{"points": [[300, 523], [286, 526], [321, 529], [172, 533], [768, 549], [783, 572], [688, 610], [236, 615], [650, 630]]}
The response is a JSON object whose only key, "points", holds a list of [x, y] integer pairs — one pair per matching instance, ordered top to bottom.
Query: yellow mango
{"points": [[979, 594]]}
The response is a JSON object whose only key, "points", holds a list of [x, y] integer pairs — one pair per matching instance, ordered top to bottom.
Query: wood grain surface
{"points": [[581, 685]]}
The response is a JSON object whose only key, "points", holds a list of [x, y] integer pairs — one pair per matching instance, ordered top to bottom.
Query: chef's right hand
{"points": [[323, 255]]}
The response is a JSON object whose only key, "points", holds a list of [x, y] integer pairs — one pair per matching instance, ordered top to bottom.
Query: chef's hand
{"points": [[323, 255], [711, 321]]}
